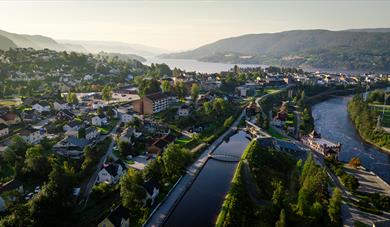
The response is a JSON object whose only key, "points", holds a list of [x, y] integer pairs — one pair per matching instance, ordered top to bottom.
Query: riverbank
{"points": [[331, 120], [365, 124], [371, 143], [227, 202]]}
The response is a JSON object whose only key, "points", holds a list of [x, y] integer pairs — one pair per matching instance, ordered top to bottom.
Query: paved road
{"points": [[91, 182], [369, 182], [158, 217]]}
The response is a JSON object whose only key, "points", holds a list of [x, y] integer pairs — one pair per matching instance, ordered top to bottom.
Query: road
{"points": [[266, 95], [91, 182], [158, 217]]}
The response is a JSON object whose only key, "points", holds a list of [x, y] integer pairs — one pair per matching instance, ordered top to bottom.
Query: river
{"points": [[191, 65], [332, 121], [201, 204]]}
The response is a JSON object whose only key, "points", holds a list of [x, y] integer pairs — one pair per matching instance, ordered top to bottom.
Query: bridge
{"points": [[256, 131], [225, 157]]}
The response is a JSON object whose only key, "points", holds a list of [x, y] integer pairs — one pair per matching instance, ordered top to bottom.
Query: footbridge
{"points": [[256, 131], [225, 157]]}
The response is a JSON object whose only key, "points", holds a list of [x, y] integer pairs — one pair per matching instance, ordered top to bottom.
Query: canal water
{"points": [[332, 121], [201, 204]]}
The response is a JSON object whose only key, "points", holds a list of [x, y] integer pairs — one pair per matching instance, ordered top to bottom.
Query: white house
{"points": [[88, 77], [242, 91], [60, 105], [97, 105], [41, 107], [183, 111], [125, 117], [99, 120], [71, 126], [4, 130], [91, 133], [126, 135], [32, 136], [111, 173], [152, 190]]}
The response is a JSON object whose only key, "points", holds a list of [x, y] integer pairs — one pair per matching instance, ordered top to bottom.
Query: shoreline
{"points": [[367, 141]]}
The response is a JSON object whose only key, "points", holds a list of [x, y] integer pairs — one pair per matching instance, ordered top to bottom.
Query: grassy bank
{"points": [[235, 180]]}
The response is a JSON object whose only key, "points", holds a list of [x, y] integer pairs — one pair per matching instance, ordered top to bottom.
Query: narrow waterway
{"points": [[332, 121], [201, 204]]}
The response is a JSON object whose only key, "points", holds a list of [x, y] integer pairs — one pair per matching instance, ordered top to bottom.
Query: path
{"points": [[91, 182], [369, 182], [251, 187], [162, 211]]}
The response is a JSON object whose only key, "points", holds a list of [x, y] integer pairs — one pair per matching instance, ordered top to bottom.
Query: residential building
{"points": [[150, 104], [60, 105], [41, 106], [183, 111], [65, 114], [126, 117], [10, 119], [99, 120], [72, 126], [4, 130], [91, 133], [127, 135], [33, 136], [159, 145], [71, 146], [323, 146], [111, 172], [152, 190], [120, 217]]}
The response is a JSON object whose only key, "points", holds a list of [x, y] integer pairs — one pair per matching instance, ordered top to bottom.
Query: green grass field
{"points": [[271, 90], [9, 102], [386, 116], [276, 134]]}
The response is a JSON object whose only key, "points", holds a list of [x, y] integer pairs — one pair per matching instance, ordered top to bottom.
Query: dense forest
{"points": [[274, 189]]}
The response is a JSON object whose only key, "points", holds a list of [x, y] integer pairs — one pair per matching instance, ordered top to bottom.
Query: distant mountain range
{"points": [[12, 40], [117, 47], [350, 49]]}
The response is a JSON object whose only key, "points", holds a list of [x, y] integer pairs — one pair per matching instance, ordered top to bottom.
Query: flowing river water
{"points": [[331, 120]]}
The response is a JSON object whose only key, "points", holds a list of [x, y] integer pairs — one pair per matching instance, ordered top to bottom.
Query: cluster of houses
{"points": [[321, 145]]}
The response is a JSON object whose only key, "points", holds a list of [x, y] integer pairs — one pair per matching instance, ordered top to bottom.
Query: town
{"points": [[96, 140]]}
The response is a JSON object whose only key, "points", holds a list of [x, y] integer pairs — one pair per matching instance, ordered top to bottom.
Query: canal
{"points": [[332, 121], [201, 204]]}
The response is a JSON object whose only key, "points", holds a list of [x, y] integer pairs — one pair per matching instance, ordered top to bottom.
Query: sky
{"points": [[183, 25]]}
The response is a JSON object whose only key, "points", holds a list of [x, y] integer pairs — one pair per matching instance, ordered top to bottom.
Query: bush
{"points": [[350, 182]]}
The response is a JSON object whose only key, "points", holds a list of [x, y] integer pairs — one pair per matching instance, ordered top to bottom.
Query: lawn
{"points": [[271, 90], [9, 102], [386, 116], [276, 134], [183, 141]]}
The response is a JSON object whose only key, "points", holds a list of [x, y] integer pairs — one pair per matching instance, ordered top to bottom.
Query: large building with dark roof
{"points": [[152, 103]]}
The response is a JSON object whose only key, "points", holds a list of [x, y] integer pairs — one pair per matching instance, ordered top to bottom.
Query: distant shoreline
{"points": [[249, 65]]}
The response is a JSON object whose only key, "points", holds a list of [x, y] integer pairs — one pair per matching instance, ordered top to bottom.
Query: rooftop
{"points": [[157, 96]]}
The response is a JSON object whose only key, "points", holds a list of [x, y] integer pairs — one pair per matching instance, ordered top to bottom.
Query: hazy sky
{"points": [[180, 25]]}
